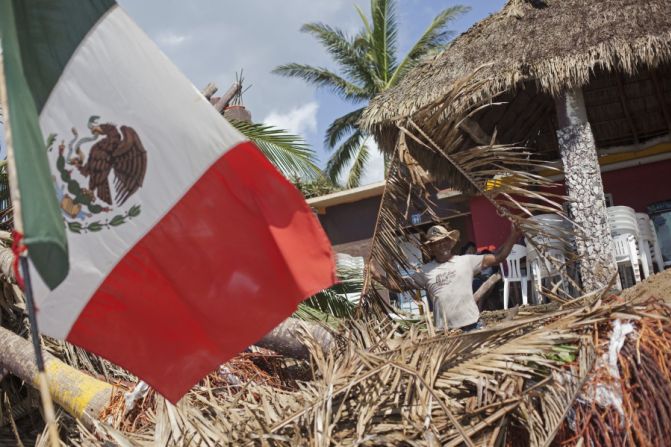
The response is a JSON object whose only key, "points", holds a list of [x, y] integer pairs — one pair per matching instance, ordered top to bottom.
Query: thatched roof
{"points": [[555, 46]]}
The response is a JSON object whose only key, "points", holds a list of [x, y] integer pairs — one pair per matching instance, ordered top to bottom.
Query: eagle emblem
{"points": [[91, 184]]}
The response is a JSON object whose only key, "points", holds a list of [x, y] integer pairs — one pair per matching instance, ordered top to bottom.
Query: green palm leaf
{"points": [[384, 37], [345, 51], [321, 77], [342, 126], [289, 153], [344, 155], [357, 169], [333, 303]]}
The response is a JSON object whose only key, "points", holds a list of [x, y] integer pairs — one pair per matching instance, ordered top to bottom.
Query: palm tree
{"points": [[368, 65]]}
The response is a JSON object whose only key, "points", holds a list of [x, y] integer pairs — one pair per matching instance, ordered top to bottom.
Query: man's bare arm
{"points": [[492, 260]]}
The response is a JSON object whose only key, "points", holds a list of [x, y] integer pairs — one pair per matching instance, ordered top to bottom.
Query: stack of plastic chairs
{"points": [[622, 222], [553, 242], [648, 244], [625, 253], [513, 273]]}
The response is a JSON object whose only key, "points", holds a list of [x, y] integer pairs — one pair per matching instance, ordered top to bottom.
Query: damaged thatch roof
{"points": [[553, 43]]}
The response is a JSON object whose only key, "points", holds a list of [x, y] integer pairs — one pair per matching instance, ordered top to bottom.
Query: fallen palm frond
{"points": [[517, 382], [514, 383]]}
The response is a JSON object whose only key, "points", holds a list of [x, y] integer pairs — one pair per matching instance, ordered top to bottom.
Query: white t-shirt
{"points": [[450, 287]]}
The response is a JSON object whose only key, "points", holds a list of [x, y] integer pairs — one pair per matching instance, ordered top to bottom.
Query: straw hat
{"points": [[439, 232]]}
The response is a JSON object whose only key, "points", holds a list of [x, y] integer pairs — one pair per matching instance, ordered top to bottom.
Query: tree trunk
{"points": [[584, 187], [79, 394]]}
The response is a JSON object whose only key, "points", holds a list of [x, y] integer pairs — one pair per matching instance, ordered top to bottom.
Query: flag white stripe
{"points": [[117, 73]]}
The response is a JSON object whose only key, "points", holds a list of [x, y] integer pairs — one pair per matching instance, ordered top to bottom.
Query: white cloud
{"points": [[171, 39], [211, 40], [299, 121], [374, 170]]}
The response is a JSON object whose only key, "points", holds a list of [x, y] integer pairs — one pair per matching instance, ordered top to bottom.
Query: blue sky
{"points": [[211, 40]]}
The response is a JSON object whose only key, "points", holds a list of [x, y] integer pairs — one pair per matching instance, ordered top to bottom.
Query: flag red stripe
{"points": [[230, 261]]}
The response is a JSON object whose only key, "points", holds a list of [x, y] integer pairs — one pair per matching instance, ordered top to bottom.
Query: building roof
{"points": [[555, 46], [348, 195]]}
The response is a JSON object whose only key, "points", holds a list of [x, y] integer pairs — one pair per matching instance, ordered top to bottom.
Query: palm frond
{"points": [[435, 36], [384, 37], [345, 51], [322, 77], [341, 126], [289, 153], [343, 156], [358, 165], [319, 186], [335, 303]]}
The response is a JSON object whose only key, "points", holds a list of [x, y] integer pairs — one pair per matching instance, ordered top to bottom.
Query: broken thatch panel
{"points": [[555, 46]]}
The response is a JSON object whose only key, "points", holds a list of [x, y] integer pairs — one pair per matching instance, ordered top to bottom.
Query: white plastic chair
{"points": [[622, 220], [553, 241], [645, 242], [648, 244], [656, 250], [626, 253], [541, 270], [513, 273]]}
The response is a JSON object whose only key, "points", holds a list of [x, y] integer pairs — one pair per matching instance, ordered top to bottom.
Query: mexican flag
{"points": [[159, 237]]}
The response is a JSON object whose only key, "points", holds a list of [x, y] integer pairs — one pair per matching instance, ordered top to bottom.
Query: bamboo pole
{"points": [[47, 403]]}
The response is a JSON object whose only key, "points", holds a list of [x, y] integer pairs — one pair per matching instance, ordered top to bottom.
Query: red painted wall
{"points": [[639, 186], [636, 187], [488, 227]]}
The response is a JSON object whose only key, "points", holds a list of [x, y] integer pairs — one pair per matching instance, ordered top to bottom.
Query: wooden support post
{"points": [[587, 206]]}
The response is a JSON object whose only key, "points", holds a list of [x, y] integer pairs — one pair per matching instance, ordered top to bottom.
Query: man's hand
{"points": [[492, 260]]}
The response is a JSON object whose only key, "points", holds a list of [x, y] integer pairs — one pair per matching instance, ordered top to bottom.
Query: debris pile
{"points": [[527, 379]]}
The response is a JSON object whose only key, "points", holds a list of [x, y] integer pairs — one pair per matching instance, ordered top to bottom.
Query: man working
{"points": [[448, 278]]}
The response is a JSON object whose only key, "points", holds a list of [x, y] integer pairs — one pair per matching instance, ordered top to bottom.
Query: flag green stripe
{"points": [[48, 32], [43, 224]]}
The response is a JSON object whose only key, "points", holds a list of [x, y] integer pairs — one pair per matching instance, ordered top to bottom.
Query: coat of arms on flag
{"points": [[110, 155]]}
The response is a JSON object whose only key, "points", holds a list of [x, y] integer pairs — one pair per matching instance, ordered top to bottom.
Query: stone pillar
{"points": [[584, 187]]}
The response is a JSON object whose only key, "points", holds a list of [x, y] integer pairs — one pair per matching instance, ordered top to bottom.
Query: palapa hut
{"points": [[587, 82]]}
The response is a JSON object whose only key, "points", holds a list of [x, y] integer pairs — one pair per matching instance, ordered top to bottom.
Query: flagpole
{"points": [[43, 384]]}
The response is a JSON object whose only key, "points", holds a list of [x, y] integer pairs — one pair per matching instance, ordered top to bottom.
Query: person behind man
{"points": [[468, 249], [448, 278]]}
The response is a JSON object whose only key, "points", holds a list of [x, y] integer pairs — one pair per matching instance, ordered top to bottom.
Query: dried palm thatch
{"points": [[554, 44], [394, 383], [516, 383]]}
